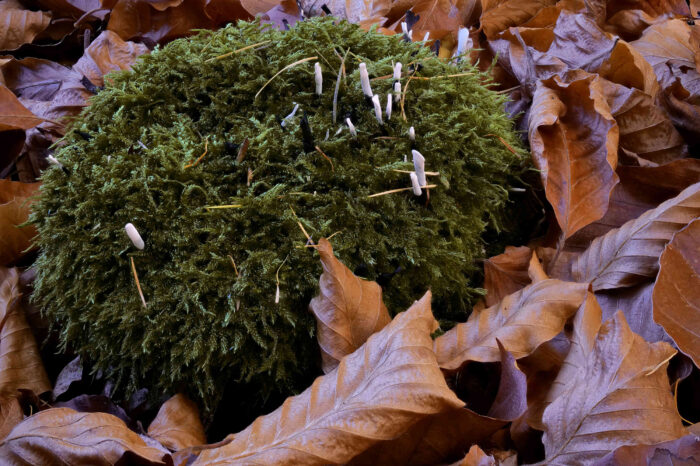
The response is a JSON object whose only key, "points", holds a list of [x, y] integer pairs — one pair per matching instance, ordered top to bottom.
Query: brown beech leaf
{"points": [[499, 15], [442, 17], [630, 18], [18, 25], [108, 52], [626, 66], [14, 115], [574, 140], [640, 189], [15, 202], [629, 255], [506, 273], [676, 297], [348, 309], [521, 321], [582, 339], [20, 362], [375, 394], [621, 395], [511, 398], [10, 414], [177, 424], [64, 436], [433, 440], [685, 450], [476, 457]]}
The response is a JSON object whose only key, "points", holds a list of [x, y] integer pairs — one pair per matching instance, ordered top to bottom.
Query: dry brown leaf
{"points": [[75, 8], [499, 15], [442, 17], [629, 19], [18, 25], [108, 52], [626, 66], [13, 115], [574, 140], [15, 203], [629, 255], [506, 273], [676, 296], [348, 310], [521, 321], [585, 328], [20, 361], [375, 394], [621, 395], [511, 398], [10, 414], [177, 424], [64, 436], [433, 440], [685, 450], [476, 457]]}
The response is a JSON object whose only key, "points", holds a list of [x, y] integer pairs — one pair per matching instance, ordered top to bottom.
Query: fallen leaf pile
{"points": [[586, 346]]}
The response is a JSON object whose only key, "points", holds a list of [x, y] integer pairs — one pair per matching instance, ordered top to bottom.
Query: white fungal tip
{"points": [[404, 27], [426, 37], [464, 42], [397, 70], [319, 78], [364, 80], [397, 91], [388, 106], [377, 109], [351, 127], [411, 134], [53, 160], [419, 167], [415, 184], [134, 236], [277, 295]]}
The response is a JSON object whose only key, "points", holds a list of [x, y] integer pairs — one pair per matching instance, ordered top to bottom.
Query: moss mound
{"points": [[135, 156]]}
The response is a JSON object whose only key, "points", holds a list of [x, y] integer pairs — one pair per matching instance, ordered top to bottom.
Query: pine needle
{"points": [[238, 51], [291, 65], [403, 95], [505, 144], [206, 148], [326, 157], [392, 191], [229, 206], [303, 230], [233, 262], [138, 285]]}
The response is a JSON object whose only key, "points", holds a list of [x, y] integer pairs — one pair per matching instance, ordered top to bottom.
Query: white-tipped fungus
{"points": [[318, 76], [364, 80], [388, 106], [377, 109], [351, 127], [411, 134], [419, 167], [416, 185], [134, 235]]}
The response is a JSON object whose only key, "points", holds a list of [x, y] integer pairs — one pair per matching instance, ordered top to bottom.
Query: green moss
{"points": [[205, 324]]}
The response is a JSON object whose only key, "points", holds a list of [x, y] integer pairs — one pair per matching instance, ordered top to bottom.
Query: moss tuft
{"points": [[206, 323]]}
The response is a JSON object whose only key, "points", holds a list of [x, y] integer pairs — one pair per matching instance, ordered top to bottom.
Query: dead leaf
{"points": [[284, 15], [499, 15], [442, 17], [630, 18], [18, 25], [108, 52], [626, 66], [13, 115], [574, 140], [15, 203], [629, 255], [506, 273], [676, 296], [348, 309], [521, 321], [72, 373], [375, 394], [620, 395], [511, 398], [10, 414], [177, 424], [61, 435], [433, 440], [685, 450], [476, 457]]}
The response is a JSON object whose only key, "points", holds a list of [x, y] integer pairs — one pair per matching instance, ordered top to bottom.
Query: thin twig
{"points": [[238, 51], [291, 65], [341, 71], [506, 91], [403, 95], [505, 144], [206, 148], [326, 157], [392, 191], [228, 206], [303, 230], [233, 262], [138, 285]]}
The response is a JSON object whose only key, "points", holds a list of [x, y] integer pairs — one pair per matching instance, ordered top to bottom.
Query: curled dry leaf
{"points": [[499, 15], [442, 17], [630, 18], [18, 25], [108, 52], [626, 66], [14, 120], [574, 142], [15, 202], [629, 255], [506, 273], [676, 296], [348, 309], [522, 321], [375, 394], [620, 395], [511, 398], [10, 414], [177, 424], [64, 436], [433, 440], [685, 450], [476, 457]]}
